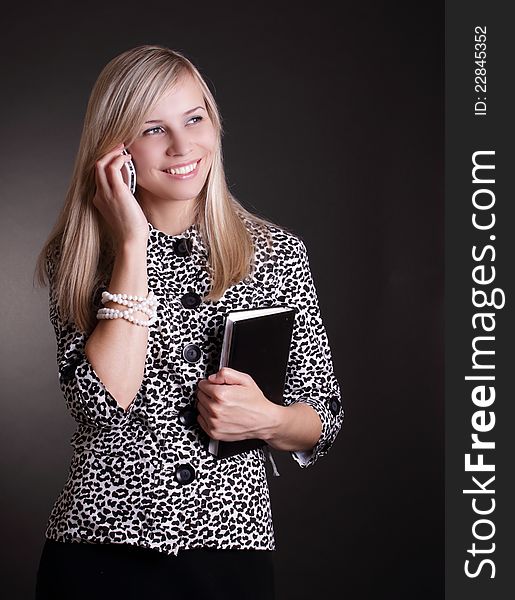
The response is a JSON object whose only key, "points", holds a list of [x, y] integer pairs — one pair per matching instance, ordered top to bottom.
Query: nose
{"points": [[179, 145]]}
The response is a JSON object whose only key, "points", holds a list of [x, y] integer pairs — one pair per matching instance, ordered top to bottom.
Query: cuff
{"points": [[87, 398], [331, 414]]}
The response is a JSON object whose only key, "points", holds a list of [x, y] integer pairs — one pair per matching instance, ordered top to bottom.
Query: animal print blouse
{"points": [[143, 475]]}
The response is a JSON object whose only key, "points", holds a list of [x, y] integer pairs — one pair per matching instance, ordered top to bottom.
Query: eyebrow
{"points": [[188, 112]]}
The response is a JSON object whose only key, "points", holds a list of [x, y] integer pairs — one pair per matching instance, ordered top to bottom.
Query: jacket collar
{"points": [[165, 244]]}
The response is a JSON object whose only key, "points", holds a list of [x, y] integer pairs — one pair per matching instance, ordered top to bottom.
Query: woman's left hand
{"points": [[232, 407]]}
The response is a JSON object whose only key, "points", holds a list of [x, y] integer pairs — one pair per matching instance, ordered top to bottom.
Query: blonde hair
{"points": [[128, 88]]}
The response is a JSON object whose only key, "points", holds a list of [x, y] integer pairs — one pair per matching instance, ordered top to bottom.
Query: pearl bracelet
{"points": [[127, 299], [134, 303], [129, 317]]}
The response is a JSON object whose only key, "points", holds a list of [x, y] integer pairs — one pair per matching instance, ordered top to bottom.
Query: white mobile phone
{"points": [[129, 174]]}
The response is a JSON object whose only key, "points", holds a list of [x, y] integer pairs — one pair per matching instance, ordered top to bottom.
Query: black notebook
{"points": [[257, 342]]}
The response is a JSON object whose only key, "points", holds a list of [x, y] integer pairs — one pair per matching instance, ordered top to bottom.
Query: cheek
{"points": [[208, 139], [145, 147], [144, 160]]}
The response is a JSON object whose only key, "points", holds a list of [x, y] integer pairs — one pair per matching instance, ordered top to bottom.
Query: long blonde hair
{"points": [[126, 90]]}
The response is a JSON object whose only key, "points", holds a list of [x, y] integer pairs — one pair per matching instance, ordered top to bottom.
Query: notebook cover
{"points": [[260, 346]]}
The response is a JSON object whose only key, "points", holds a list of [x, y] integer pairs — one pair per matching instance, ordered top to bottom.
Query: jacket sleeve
{"points": [[310, 377], [87, 399]]}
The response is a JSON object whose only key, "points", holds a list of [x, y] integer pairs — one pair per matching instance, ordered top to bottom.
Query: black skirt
{"points": [[115, 571]]}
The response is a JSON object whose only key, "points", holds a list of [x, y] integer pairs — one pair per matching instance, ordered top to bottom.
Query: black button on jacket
{"points": [[142, 475]]}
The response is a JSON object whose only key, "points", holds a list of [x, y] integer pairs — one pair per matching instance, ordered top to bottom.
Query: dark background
{"points": [[334, 128]]}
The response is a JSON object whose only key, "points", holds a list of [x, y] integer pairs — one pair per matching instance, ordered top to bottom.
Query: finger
{"points": [[108, 156], [105, 159], [114, 171], [100, 174], [101, 180], [215, 377], [230, 377], [206, 386], [211, 388], [203, 397], [205, 410], [202, 422]]}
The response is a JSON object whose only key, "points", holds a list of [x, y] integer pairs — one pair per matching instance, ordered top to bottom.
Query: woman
{"points": [[146, 509]]}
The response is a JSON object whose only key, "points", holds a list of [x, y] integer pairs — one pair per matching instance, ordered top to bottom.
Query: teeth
{"points": [[182, 170]]}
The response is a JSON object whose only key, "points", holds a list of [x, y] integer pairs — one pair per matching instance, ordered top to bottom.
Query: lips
{"points": [[180, 165]]}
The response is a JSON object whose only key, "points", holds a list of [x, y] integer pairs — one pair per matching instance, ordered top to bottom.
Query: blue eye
{"points": [[198, 117], [158, 128], [152, 129]]}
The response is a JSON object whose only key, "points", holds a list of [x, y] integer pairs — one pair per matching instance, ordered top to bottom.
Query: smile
{"points": [[183, 170]]}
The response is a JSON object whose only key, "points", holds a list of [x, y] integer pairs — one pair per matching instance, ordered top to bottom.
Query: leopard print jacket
{"points": [[143, 476]]}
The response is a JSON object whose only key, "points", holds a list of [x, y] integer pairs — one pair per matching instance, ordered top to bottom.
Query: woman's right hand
{"points": [[114, 200]]}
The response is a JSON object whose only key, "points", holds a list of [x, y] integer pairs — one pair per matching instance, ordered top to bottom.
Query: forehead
{"points": [[183, 96]]}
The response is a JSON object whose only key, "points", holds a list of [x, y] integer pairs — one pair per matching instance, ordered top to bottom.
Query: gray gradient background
{"points": [[334, 127]]}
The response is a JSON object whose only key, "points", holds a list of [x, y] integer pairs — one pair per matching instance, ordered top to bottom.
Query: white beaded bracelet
{"points": [[127, 300], [134, 303], [129, 317]]}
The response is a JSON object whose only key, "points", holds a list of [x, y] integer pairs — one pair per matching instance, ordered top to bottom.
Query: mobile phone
{"points": [[129, 174]]}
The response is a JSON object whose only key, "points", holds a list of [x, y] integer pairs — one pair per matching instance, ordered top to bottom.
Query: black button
{"points": [[183, 246], [191, 300], [191, 353], [334, 406], [187, 416], [184, 474]]}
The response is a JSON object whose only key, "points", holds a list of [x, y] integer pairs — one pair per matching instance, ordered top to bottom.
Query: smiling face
{"points": [[174, 148]]}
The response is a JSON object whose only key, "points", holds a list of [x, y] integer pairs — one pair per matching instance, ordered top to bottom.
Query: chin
{"points": [[168, 193], [184, 197]]}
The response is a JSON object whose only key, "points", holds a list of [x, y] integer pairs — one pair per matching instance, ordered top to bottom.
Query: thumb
{"points": [[226, 375]]}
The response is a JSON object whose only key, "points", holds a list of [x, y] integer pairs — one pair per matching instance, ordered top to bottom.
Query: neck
{"points": [[170, 217]]}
